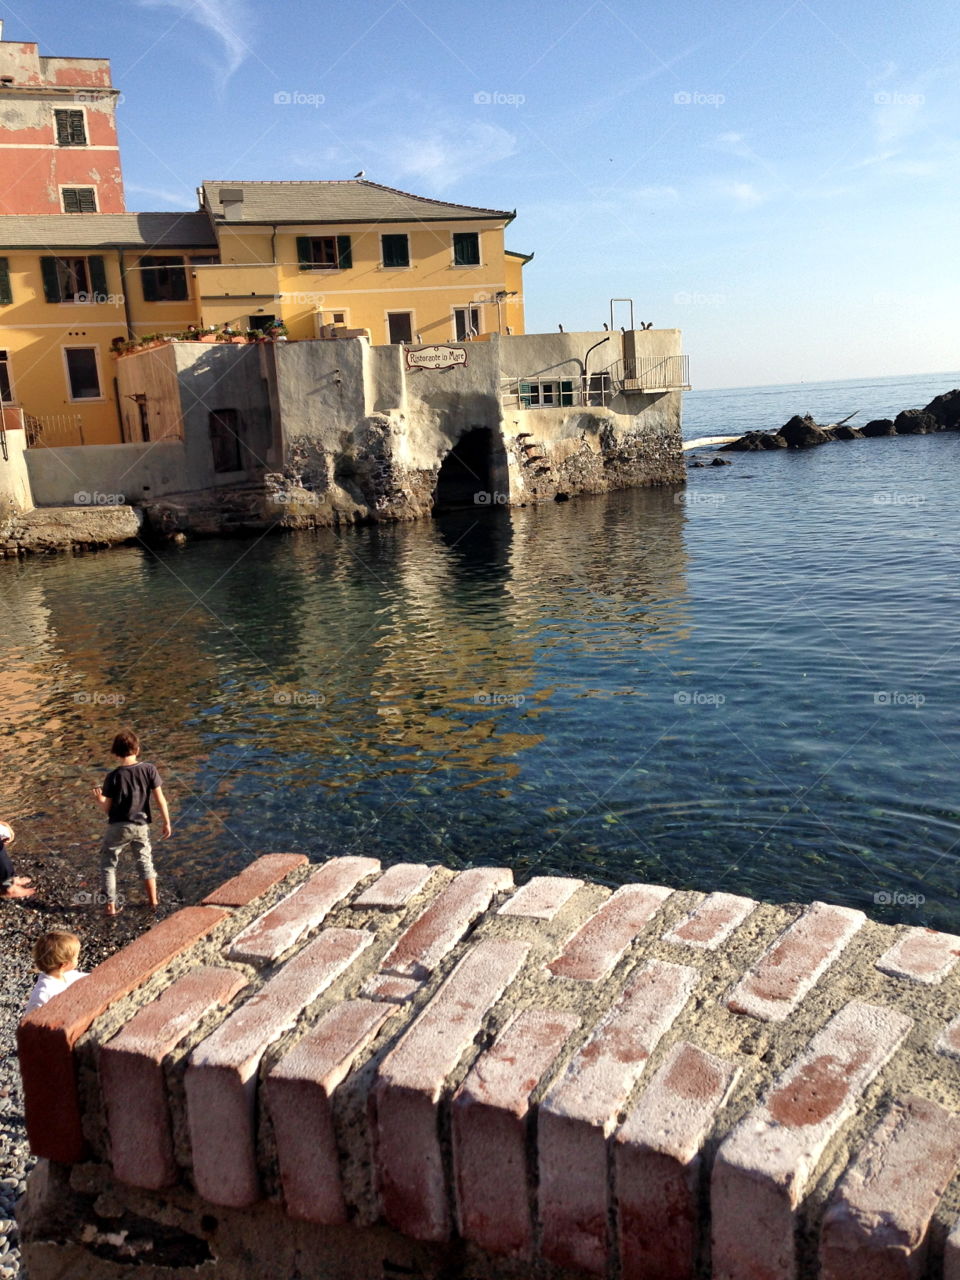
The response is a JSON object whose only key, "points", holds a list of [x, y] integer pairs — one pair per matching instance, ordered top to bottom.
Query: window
{"points": [[71, 129], [79, 199], [466, 249], [395, 250], [324, 253], [74, 279], [163, 279], [6, 293], [338, 317], [466, 322], [400, 326], [82, 373], [6, 386], [546, 395], [225, 427]]}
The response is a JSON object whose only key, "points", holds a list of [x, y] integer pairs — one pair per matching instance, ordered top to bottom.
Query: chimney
{"points": [[231, 201]]}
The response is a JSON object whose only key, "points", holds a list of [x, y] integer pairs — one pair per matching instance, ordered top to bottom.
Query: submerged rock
{"points": [[880, 427]]}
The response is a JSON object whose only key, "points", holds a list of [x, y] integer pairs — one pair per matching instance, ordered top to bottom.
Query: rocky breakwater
{"points": [[941, 414], [46, 530], [346, 1073]]}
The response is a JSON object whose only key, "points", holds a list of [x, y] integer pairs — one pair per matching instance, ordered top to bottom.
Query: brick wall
{"points": [[446, 1075]]}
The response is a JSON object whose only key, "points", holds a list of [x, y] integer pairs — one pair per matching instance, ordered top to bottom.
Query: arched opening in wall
{"points": [[474, 472]]}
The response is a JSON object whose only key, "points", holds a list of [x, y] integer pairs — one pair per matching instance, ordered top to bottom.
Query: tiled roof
{"points": [[349, 200], [104, 230]]}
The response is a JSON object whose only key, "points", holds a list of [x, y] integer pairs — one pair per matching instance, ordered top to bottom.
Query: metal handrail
{"points": [[652, 373], [577, 390]]}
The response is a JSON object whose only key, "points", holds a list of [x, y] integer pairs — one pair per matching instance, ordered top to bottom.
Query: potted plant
{"points": [[278, 331], [210, 335]]}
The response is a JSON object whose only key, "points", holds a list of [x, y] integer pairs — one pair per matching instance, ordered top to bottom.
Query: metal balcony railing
{"points": [[651, 374], [558, 393]]}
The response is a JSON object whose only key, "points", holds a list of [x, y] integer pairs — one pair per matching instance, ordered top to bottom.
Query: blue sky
{"points": [[778, 180]]}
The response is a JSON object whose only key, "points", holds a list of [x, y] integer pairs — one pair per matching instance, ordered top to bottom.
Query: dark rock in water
{"points": [[946, 410], [915, 422], [880, 427], [845, 432], [804, 433], [754, 440], [721, 462], [696, 463], [561, 497]]}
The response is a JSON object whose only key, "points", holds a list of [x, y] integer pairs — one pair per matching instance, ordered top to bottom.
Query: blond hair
{"points": [[53, 950]]}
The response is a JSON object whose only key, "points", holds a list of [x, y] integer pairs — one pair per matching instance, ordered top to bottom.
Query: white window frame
{"points": [[71, 146], [74, 186], [383, 265], [466, 266], [471, 306], [341, 311], [400, 311], [82, 346], [5, 360]]}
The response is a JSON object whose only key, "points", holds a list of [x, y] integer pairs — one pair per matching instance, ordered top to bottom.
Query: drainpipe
{"points": [[121, 263], [586, 357]]}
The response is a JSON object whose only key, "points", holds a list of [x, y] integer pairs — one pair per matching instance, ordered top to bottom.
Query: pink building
{"points": [[58, 133]]}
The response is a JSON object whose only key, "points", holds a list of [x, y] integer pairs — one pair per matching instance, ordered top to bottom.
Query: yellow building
{"points": [[315, 256]]}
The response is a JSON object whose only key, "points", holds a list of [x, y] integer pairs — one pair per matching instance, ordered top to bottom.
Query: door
{"points": [[400, 326], [225, 439]]}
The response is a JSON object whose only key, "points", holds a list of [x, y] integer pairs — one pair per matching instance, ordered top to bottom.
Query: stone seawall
{"points": [[340, 1071]]}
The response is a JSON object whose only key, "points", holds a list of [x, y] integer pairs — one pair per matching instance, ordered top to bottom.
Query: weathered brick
{"points": [[260, 876], [396, 886], [541, 898], [712, 922], [443, 923], [285, 924], [593, 951], [922, 955], [784, 975], [45, 1038], [221, 1075], [132, 1080], [410, 1081], [299, 1091], [580, 1110], [490, 1115], [656, 1157], [763, 1167], [876, 1224]]}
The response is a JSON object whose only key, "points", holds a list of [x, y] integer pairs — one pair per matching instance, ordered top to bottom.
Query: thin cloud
{"points": [[225, 19], [446, 154]]}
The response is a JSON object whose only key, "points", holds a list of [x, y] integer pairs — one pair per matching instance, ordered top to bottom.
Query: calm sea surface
{"points": [[752, 685]]}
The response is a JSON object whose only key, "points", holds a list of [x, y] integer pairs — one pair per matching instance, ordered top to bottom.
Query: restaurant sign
{"points": [[435, 357]]}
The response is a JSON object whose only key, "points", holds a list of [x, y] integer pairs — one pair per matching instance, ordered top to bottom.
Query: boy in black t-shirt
{"points": [[125, 798]]}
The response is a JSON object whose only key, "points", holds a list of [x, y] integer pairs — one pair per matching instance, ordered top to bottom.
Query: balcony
{"points": [[651, 375]]}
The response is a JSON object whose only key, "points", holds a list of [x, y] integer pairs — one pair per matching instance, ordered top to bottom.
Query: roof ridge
{"points": [[346, 182]]}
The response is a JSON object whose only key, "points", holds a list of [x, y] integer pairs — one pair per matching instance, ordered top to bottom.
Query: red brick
{"points": [[260, 876], [396, 886], [541, 898], [712, 922], [284, 925], [441, 926], [597, 945], [923, 955], [774, 987], [391, 988], [45, 1038], [221, 1076], [132, 1080], [410, 1081], [299, 1091], [579, 1112], [490, 1115], [656, 1157], [763, 1167], [876, 1224]]}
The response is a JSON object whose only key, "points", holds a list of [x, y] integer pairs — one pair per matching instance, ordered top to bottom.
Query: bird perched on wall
{"points": [[360, 174], [560, 327]]}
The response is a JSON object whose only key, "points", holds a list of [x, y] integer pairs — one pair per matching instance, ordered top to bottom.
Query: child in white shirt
{"points": [[55, 954]]}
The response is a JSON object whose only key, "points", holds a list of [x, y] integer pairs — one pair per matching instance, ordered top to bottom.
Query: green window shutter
{"points": [[63, 127], [466, 249], [396, 251], [304, 253], [344, 253], [98, 275], [148, 279], [51, 280], [178, 284], [6, 293], [566, 393], [526, 395]]}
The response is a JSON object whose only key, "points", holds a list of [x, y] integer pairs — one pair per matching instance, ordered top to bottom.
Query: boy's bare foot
{"points": [[22, 880], [17, 891], [111, 912]]}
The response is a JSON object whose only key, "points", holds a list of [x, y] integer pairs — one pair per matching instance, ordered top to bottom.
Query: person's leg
{"points": [[142, 848], [110, 850]]}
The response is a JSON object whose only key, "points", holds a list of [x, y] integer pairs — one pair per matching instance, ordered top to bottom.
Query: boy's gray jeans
{"points": [[118, 836]]}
